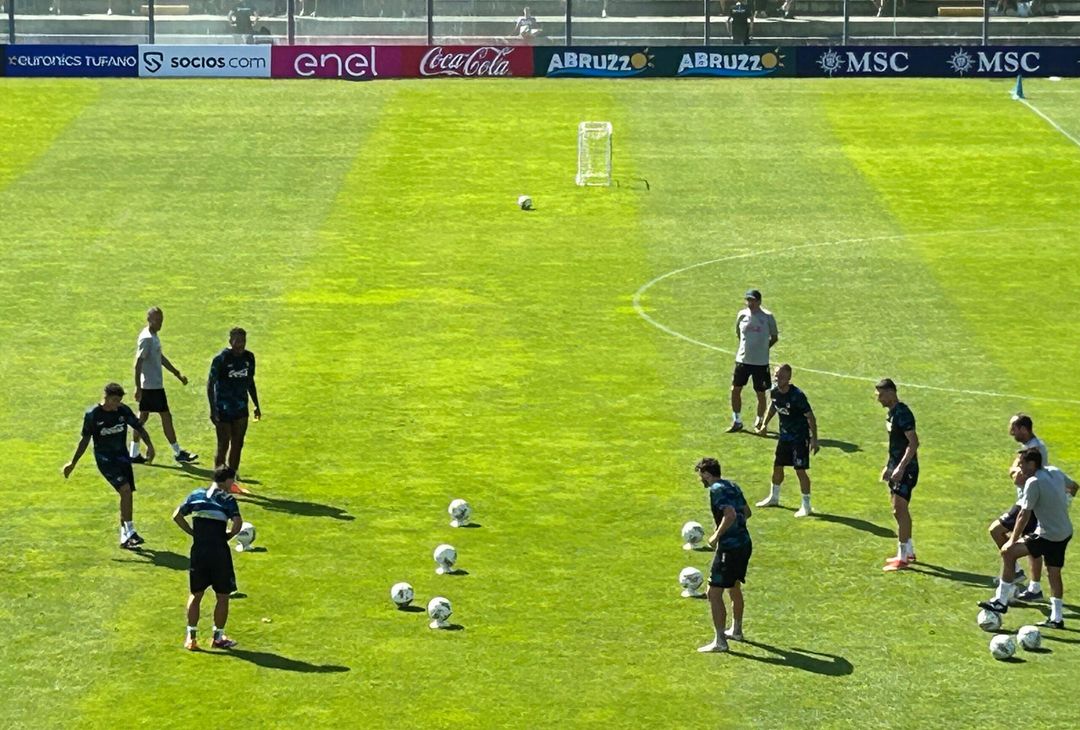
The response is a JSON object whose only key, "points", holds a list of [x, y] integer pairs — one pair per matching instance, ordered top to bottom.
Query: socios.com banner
{"points": [[55, 60], [241, 61], [938, 61], [336, 62]]}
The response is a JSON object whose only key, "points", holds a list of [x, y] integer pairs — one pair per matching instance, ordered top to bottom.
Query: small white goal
{"points": [[594, 153]]}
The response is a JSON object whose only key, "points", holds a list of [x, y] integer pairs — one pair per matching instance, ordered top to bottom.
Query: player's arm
{"points": [[774, 334], [172, 369], [138, 374], [211, 388], [253, 392], [768, 417], [812, 420], [140, 429], [80, 449], [909, 454], [1070, 487], [180, 518], [1022, 520], [235, 523], [725, 524]]}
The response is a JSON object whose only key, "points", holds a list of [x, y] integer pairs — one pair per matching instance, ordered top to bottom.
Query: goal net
{"points": [[594, 153]]}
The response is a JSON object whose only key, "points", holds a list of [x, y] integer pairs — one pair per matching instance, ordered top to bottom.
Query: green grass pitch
{"points": [[420, 338]]}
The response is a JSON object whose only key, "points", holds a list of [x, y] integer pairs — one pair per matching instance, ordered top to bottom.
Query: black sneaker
{"points": [[735, 426], [185, 458], [138, 459], [135, 539], [130, 544], [1029, 596], [994, 606], [1048, 624]]}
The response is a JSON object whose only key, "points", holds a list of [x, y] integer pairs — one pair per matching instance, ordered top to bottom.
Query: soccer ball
{"points": [[525, 202], [460, 512], [692, 534], [245, 537], [445, 557], [691, 579], [401, 594], [439, 610], [989, 620], [1029, 637], [1002, 646]]}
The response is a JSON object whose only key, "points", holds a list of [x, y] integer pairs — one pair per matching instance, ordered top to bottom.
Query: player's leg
{"points": [[740, 376], [762, 384], [223, 431], [237, 432], [133, 447], [179, 453], [804, 488], [899, 497], [773, 500], [1008, 523], [998, 532], [129, 538], [737, 564], [224, 582], [1005, 588], [1057, 597], [719, 619], [735, 632], [190, 637]]}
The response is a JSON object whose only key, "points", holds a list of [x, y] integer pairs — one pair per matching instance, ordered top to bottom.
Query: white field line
{"points": [[1050, 121], [846, 376]]}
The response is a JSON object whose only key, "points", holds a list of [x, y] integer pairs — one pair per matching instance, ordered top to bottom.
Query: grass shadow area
{"points": [[846, 446], [297, 507], [856, 524], [160, 558], [976, 580], [411, 609], [276, 661], [815, 662]]}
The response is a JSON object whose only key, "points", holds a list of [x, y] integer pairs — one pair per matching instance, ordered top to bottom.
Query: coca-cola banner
{"points": [[473, 61], [335, 62]]}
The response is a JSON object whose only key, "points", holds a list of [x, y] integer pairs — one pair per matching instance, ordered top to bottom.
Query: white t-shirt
{"points": [[755, 331], [148, 349], [1033, 443], [1044, 494]]}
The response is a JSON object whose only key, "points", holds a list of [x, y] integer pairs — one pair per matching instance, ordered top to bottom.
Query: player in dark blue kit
{"points": [[231, 381], [107, 424], [797, 440], [901, 472], [215, 520], [731, 540]]}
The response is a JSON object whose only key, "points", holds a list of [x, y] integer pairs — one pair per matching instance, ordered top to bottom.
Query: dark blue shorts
{"points": [[226, 415], [794, 453], [116, 470], [906, 485], [1008, 520], [211, 566], [729, 566]]}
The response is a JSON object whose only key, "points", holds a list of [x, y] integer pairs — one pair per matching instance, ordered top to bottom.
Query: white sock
{"points": [[736, 416], [133, 449], [175, 449], [774, 492], [806, 502], [130, 528], [124, 534], [909, 548], [900, 551], [1019, 568], [1034, 586], [1004, 592], [1055, 609], [736, 627], [191, 631], [217, 633]]}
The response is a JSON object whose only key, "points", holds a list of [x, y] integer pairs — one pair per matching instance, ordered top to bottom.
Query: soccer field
{"points": [[420, 338]]}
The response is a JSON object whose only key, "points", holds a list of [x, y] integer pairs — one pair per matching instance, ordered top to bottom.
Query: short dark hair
{"points": [[153, 310], [237, 332], [886, 384], [114, 389], [1023, 420], [1032, 455], [709, 465], [222, 473]]}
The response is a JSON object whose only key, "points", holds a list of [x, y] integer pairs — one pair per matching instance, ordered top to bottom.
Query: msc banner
{"points": [[52, 60], [221, 61], [939, 61], [336, 62], [609, 62]]}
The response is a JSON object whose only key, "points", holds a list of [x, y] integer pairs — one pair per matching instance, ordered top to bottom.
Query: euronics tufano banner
{"points": [[55, 60], [241, 61], [938, 61]]}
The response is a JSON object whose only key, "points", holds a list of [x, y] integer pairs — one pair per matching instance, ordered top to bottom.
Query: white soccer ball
{"points": [[525, 202], [460, 512], [692, 534], [245, 537], [445, 557], [690, 579], [401, 594], [439, 610], [989, 620], [1029, 637], [1002, 646]]}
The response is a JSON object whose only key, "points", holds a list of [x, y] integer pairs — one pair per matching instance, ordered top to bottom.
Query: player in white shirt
{"points": [[150, 386]]}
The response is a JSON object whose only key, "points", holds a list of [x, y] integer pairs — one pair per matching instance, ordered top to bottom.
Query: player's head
{"points": [[525, 12], [753, 299], [154, 318], [238, 339], [782, 375], [886, 392], [112, 395], [1020, 427], [1030, 461], [708, 469], [224, 476]]}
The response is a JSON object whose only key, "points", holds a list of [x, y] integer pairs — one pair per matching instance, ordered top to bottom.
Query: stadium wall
{"points": [[388, 62]]}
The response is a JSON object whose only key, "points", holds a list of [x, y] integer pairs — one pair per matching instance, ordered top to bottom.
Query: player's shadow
{"points": [[846, 446], [192, 471], [297, 507], [856, 524], [471, 526], [255, 550], [160, 558], [457, 571], [975, 580], [411, 609], [452, 627], [1060, 639], [276, 661], [815, 662]]}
